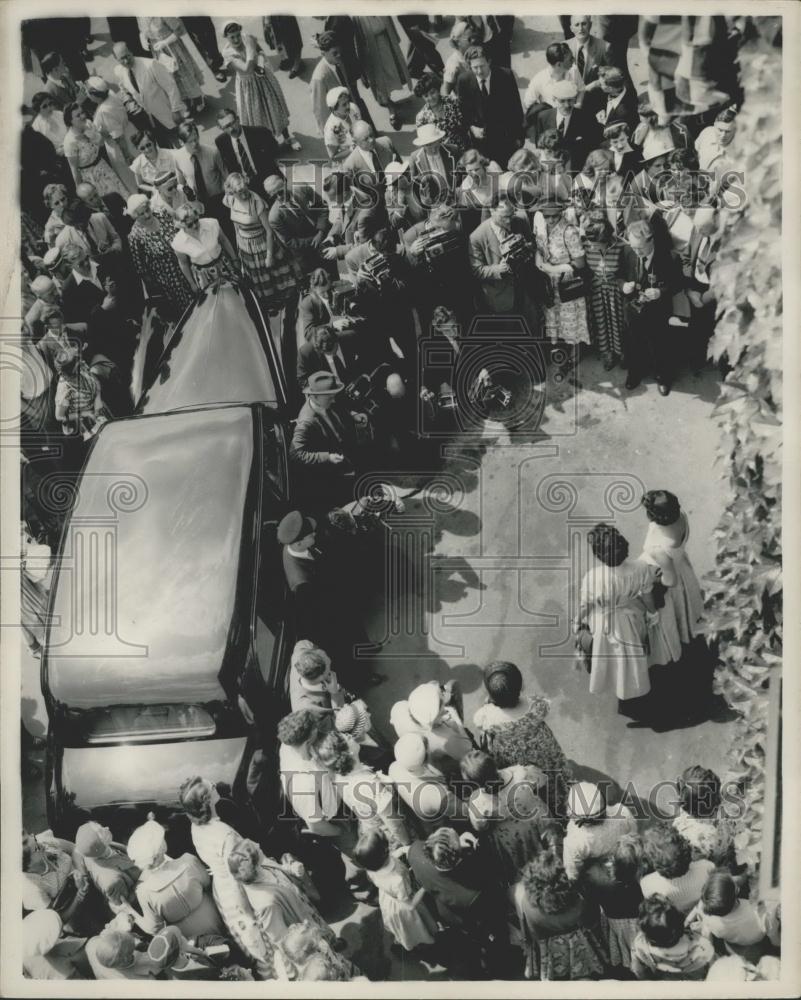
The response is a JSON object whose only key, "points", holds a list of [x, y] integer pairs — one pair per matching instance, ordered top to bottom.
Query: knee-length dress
{"points": [[381, 57], [187, 74], [259, 98], [87, 148], [561, 244], [156, 263], [265, 263], [606, 307], [685, 597], [610, 604], [214, 842]]}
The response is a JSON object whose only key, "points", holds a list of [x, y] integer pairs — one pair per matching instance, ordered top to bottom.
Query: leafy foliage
{"points": [[744, 593]]}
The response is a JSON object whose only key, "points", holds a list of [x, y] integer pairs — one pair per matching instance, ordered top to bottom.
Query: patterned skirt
{"points": [[188, 75], [260, 101], [222, 267], [273, 282], [606, 311], [567, 321], [619, 933], [578, 954]]}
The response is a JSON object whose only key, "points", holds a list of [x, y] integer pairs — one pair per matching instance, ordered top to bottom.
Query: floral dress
{"points": [[187, 74], [259, 98], [449, 116], [338, 134], [85, 148], [146, 171], [561, 244], [265, 262], [156, 263], [606, 306], [522, 736], [562, 946]]}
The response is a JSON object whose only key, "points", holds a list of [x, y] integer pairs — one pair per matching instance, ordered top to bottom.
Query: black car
{"points": [[167, 649]]}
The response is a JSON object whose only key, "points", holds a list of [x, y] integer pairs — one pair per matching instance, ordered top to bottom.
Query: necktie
{"points": [[581, 62], [132, 76], [484, 90], [560, 128], [244, 159], [201, 192], [92, 243], [339, 367], [333, 423]]}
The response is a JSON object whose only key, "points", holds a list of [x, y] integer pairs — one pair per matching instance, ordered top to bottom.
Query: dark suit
{"points": [[201, 30], [626, 111], [500, 114], [583, 134], [383, 153], [263, 154], [427, 182], [297, 222], [78, 300], [313, 312], [702, 318], [650, 345], [310, 360], [321, 482]]}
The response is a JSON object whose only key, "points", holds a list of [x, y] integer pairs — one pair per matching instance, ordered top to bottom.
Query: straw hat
{"points": [[428, 133]]}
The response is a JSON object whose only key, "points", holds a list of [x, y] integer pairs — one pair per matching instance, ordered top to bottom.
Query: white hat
{"points": [[97, 83], [563, 90], [334, 95], [428, 133], [658, 142], [393, 171], [135, 202], [52, 257], [41, 285], [425, 703], [410, 750], [585, 800], [146, 843], [40, 931]]}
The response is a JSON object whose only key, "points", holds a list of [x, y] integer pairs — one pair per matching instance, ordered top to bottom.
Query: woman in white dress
{"points": [[48, 120], [338, 131], [151, 161], [204, 251], [665, 547], [615, 607], [214, 841]]}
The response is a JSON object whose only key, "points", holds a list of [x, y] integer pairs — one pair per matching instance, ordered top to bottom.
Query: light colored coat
{"points": [[158, 93]]}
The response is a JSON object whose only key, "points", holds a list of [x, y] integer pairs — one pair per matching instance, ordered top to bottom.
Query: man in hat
{"points": [[151, 87], [613, 100], [491, 103], [578, 131], [250, 150], [371, 156], [433, 166], [403, 209], [299, 218], [56, 266], [651, 276], [324, 351], [324, 448], [594, 828]]}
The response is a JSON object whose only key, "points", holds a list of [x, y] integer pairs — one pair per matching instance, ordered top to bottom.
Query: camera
{"points": [[438, 245], [516, 251], [365, 390]]}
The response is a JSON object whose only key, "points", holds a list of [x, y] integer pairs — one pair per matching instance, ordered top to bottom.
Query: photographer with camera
{"points": [[502, 257], [325, 351]]}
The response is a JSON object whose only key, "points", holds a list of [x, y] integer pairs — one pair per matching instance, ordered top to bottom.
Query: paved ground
{"points": [[494, 564]]}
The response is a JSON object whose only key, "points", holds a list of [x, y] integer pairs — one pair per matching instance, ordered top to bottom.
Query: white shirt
{"points": [[540, 90], [52, 128], [369, 159], [204, 248], [93, 278]]}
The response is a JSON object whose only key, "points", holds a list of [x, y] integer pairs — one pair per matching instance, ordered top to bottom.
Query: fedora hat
{"points": [[428, 133], [657, 142], [393, 171], [323, 384], [294, 526]]}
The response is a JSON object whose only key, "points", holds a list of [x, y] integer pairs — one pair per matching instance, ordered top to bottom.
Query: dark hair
{"points": [[229, 29], [327, 41], [475, 52], [556, 52], [50, 60], [427, 83], [39, 99], [69, 112], [225, 112], [727, 115], [186, 129], [137, 137], [686, 159], [337, 183], [500, 198], [77, 213], [368, 223], [383, 238], [661, 506], [607, 544], [313, 663], [503, 682], [296, 728], [333, 751], [480, 769], [699, 789], [195, 798], [371, 850], [666, 851], [627, 859], [546, 882], [720, 894], [661, 923]]}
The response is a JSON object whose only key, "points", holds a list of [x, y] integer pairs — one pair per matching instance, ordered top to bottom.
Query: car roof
{"points": [[221, 352], [146, 587]]}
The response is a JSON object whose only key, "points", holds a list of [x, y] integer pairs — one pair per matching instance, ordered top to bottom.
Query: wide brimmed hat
{"points": [[563, 90], [334, 95], [430, 132], [658, 142], [135, 202], [52, 257], [323, 384], [295, 526], [353, 720], [585, 801], [88, 841]]}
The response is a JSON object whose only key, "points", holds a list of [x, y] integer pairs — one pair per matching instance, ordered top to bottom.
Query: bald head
{"points": [[122, 53], [363, 136]]}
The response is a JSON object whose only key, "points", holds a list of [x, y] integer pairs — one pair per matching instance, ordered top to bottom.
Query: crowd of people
{"points": [[591, 211]]}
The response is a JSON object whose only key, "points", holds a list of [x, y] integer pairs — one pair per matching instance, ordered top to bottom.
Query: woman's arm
{"points": [[75, 170], [225, 243], [186, 270]]}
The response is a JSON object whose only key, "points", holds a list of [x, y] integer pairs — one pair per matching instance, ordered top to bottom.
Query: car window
{"points": [[273, 459], [146, 723]]}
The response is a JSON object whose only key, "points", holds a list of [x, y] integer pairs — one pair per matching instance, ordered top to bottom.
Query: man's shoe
{"points": [[632, 381], [664, 388]]}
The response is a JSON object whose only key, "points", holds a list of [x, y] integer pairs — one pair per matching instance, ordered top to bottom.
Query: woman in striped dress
{"points": [[259, 98], [604, 255], [265, 263]]}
